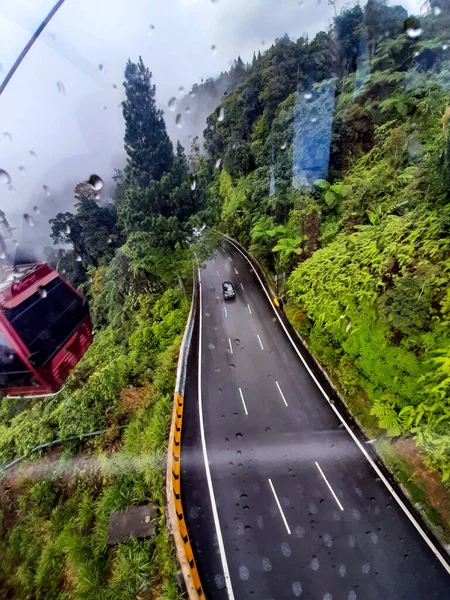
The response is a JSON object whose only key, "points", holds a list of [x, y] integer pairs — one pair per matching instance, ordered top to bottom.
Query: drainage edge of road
{"points": [[416, 509], [175, 512]]}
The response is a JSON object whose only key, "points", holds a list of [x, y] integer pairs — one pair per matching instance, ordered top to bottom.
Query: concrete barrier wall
{"points": [[176, 518]]}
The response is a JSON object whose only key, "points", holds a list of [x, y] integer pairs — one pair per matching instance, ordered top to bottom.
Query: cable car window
{"points": [[47, 318], [12, 370]]}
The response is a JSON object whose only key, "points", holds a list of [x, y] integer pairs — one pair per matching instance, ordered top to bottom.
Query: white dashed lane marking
{"points": [[281, 393], [243, 401], [329, 486], [279, 507]]}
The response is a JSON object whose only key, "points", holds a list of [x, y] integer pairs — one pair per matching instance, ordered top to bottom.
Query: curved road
{"points": [[280, 501]]}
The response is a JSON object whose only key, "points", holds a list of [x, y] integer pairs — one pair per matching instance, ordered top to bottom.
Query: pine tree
{"points": [[149, 149]]}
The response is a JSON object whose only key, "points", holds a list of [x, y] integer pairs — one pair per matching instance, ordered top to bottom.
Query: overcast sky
{"points": [[62, 105]]}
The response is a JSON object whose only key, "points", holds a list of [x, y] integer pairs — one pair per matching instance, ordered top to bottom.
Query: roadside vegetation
{"points": [[336, 172]]}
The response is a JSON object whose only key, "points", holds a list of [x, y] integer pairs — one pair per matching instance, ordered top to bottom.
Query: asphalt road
{"points": [[297, 510]]}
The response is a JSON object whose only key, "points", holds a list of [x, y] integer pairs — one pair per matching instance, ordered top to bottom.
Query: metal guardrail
{"points": [[177, 521]]}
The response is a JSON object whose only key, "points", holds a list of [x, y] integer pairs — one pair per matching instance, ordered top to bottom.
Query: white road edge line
{"points": [[236, 271], [242, 287], [249, 309], [225, 311], [260, 342], [231, 347], [281, 393], [243, 401], [375, 467], [329, 486], [279, 507], [223, 556]]}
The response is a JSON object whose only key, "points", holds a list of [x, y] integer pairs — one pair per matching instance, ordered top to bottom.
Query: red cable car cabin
{"points": [[45, 328]]}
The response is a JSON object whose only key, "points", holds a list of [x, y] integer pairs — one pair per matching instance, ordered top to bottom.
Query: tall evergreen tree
{"points": [[147, 144], [92, 230]]}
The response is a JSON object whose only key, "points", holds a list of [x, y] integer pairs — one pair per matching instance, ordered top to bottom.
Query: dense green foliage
{"points": [[336, 170]]}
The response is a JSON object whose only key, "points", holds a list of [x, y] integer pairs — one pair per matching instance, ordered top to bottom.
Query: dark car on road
{"points": [[228, 291]]}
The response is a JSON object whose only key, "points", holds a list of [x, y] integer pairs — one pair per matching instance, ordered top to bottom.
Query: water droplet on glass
{"points": [[214, 1], [437, 11], [151, 29], [414, 32], [51, 36], [444, 46], [214, 49], [101, 67], [61, 88], [181, 91], [307, 95], [172, 103], [187, 110], [221, 114], [313, 117], [178, 121], [7, 136], [283, 146], [32, 154], [218, 162], [22, 170], [4, 177], [96, 182], [193, 184], [12, 190], [46, 190], [97, 197], [36, 210], [28, 220], [67, 230], [109, 241], [16, 243], [78, 258], [42, 292], [211, 346], [312, 508], [356, 514], [300, 531], [327, 540], [351, 541], [286, 550], [315, 563], [267, 564], [366, 567], [342, 570], [244, 573], [219, 581], [297, 589], [352, 595], [328, 597]]}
